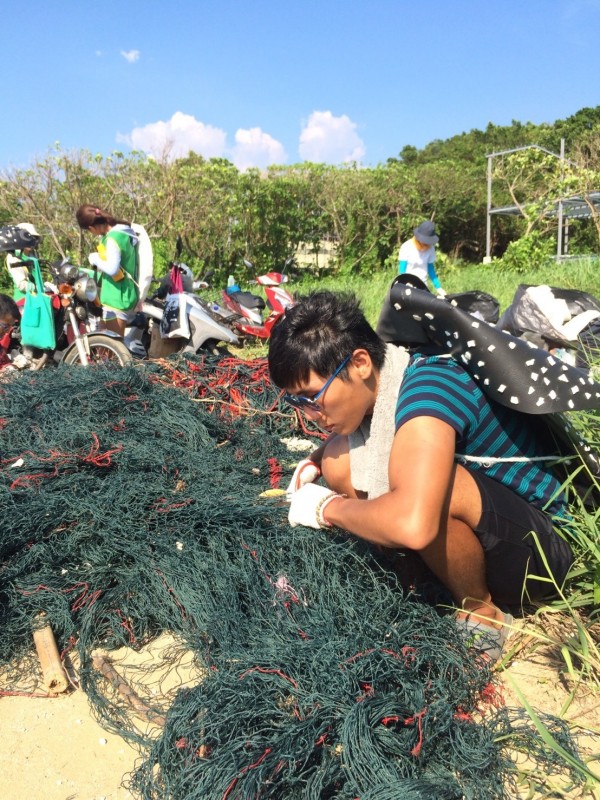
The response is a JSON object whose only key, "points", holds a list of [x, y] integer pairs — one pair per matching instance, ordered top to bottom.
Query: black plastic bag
{"points": [[481, 304]]}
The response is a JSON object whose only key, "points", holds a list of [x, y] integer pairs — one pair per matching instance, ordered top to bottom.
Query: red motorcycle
{"points": [[250, 307]]}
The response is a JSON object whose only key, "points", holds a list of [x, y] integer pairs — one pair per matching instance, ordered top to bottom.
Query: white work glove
{"points": [[95, 260], [26, 286], [440, 292], [306, 472], [308, 504]]}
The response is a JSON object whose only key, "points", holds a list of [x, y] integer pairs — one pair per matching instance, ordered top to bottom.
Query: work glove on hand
{"points": [[96, 260], [26, 286], [440, 292], [306, 472], [308, 504]]}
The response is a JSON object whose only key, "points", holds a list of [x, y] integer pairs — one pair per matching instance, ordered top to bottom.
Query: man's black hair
{"points": [[8, 306], [317, 334]]}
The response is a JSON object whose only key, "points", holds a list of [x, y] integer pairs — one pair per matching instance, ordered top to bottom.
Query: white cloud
{"points": [[131, 55], [183, 133], [176, 137], [324, 138], [330, 139], [255, 148]]}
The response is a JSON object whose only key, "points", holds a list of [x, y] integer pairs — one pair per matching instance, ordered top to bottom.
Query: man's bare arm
{"points": [[420, 472]]}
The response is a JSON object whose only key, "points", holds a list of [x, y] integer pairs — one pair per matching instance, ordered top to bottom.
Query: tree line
{"points": [[361, 214]]}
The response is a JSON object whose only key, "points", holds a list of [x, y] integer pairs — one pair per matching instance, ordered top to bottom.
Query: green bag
{"points": [[37, 322]]}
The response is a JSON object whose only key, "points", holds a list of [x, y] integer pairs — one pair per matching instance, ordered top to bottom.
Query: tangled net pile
{"points": [[132, 507]]}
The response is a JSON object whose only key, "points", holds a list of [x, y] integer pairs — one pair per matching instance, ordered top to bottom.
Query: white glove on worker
{"points": [[109, 261], [441, 292], [306, 472], [308, 504]]}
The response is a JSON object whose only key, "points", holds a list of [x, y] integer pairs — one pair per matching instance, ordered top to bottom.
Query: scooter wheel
{"points": [[102, 350]]}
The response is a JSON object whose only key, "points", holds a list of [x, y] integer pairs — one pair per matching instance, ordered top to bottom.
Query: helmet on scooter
{"points": [[13, 237], [187, 277]]}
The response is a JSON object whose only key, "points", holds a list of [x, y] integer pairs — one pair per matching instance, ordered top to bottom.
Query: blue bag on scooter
{"points": [[37, 322]]}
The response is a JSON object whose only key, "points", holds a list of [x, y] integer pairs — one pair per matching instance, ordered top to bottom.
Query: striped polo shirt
{"points": [[490, 438]]}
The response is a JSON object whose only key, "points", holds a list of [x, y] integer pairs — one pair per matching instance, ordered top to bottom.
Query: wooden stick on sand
{"points": [[105, 668], [54, 675]]}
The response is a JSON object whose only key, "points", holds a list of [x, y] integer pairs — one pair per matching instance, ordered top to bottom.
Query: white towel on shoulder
{"points": [[371, 444]]}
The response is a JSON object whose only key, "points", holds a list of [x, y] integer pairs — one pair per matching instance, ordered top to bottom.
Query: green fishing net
{"points": [[133, 505]]}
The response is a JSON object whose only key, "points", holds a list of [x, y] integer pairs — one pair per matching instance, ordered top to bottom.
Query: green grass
{"points": [[574, 274]]}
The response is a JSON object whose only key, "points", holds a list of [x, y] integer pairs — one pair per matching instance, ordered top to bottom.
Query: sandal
{"points": [[484, 638]]}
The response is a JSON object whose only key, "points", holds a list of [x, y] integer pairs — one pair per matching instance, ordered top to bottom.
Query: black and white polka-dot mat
{"points": [[509, 370], [512, 371]]}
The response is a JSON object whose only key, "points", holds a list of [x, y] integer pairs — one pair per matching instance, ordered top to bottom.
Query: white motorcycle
{"points": [[175, 320]]}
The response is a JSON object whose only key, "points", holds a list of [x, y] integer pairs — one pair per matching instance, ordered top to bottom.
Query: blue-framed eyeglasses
{"points": [[310, 403]]}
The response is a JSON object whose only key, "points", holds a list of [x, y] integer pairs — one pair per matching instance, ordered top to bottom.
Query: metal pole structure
{"points": [[488, 226], [559, 235], [488, 244]]}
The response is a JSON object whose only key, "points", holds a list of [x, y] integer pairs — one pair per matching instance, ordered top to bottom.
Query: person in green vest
{"points": [[116, 258]]}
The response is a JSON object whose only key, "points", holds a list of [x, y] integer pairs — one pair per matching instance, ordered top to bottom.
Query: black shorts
{"points": [[514, 564]]}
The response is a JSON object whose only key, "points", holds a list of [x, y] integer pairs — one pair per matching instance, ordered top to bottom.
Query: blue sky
{"points": [[285, 81]]}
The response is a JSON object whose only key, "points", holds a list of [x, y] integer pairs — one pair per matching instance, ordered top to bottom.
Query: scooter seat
{"points": [[248, 300]]}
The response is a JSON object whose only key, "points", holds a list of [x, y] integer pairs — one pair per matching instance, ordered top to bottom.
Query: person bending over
{"points": [[417, 256], [117, 261], [397, 429]]}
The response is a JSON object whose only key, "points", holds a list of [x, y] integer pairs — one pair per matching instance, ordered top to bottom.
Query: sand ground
{"points": [[54, 749]]}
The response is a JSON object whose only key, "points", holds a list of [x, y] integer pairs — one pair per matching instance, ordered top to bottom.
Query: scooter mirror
{"points": [[178, 247], [249, 264]]}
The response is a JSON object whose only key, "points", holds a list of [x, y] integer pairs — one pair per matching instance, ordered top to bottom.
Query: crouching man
{"points": [[9, 323], [398, 429]]}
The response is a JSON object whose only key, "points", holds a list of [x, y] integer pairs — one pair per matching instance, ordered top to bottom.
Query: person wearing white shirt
{"points": [[417, 256]]}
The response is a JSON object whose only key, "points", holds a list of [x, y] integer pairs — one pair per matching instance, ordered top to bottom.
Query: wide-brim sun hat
{"points": [[29, 227], [425, 233], [13, 237]]}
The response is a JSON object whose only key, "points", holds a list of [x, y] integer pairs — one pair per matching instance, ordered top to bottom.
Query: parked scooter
{"points": [[250, 307], [76, 310], [217, 312], [79, 313], [174, 313]]}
